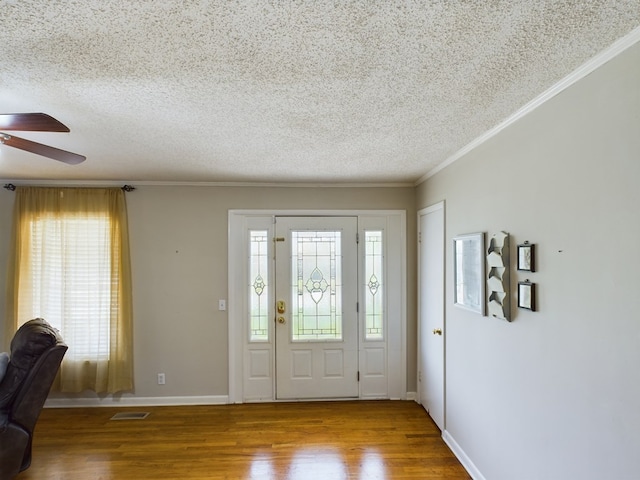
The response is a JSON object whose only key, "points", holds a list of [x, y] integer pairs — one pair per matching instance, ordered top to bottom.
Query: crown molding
{"points": [[590, 66], [119, 183]]}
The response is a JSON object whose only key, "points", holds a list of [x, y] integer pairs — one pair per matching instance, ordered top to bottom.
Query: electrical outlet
{"points": [[222, 305], [161, 379]]}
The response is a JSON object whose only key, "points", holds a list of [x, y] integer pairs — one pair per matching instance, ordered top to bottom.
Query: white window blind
{"points": [[71, 280]]}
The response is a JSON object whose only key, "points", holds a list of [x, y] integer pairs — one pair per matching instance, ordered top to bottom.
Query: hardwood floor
{"points": [[295, 441]]}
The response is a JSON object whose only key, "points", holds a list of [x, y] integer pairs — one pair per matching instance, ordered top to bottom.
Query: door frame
{"points": [[397, 333]]}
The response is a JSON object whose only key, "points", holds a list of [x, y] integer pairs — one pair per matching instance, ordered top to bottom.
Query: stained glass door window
{"points": [[316, 285], [258, 286], [373, 288]]}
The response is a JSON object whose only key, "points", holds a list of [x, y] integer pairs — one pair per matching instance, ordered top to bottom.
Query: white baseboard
{"points": [[110, 401], [136, 401], [462, 456]]}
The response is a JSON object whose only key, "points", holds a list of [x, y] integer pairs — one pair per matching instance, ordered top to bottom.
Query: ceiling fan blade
{"points": [[31, 122], [40, 149]]}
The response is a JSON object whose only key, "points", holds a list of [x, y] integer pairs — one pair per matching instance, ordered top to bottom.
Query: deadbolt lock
{"points": [[281, 320]]}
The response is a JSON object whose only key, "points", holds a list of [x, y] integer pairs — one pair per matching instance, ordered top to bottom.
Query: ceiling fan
{"points": [[36, 122]]}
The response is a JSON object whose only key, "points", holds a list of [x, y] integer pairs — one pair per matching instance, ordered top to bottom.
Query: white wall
{"points": [[178, 237], [556, 393]]}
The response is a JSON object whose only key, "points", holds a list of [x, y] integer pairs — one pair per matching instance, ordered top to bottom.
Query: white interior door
{"points": [[316, 307], [431, 313]]}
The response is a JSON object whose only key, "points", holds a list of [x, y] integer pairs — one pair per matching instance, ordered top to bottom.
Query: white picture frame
{"points": [[469, 272]]}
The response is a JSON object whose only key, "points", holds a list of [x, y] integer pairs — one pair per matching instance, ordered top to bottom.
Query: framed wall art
{"points": [[526, 257], [468, 272], [527, 295]]}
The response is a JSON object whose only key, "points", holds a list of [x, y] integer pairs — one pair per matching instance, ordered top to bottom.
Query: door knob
{"points": [[280, 306], [437, 331]]}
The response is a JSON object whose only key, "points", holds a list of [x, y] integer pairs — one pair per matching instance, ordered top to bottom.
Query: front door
{"points": [[316, 307]]}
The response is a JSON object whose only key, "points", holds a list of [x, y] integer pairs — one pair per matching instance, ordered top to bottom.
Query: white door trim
{"points": [[237, 221]]}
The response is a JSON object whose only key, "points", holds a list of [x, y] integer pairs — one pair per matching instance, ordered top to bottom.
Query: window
{"points": [[70, 266], [259, 287], [316, 290], [373, 309]]}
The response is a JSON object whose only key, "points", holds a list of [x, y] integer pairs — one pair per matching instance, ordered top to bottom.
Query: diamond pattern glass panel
{"points": [[258, 287], [373, 287], [316, 289]]}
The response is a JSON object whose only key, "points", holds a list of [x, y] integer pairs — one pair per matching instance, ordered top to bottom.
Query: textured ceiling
{"points": [[282, 91]]}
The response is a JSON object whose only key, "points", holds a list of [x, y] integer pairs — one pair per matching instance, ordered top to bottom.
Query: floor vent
{"points": [[130, 416]]}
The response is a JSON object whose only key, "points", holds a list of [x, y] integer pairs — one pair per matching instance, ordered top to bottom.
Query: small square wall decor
{"points": [[526, 257], [527, 295]]}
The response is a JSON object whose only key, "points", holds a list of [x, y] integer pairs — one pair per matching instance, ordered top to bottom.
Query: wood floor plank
{"points": [[375, 440]]}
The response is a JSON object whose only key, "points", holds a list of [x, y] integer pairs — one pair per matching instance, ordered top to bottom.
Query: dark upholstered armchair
{"points": [[36, 353]]}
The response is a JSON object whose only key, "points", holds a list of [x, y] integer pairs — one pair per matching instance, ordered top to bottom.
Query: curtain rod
{"points": [[126, 188]]}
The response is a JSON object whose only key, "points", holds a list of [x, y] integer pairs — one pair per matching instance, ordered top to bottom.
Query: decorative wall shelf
{"points": [[498, 301]]}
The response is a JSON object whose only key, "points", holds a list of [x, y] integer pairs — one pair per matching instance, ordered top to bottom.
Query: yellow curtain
{"points": [[69, 263]]}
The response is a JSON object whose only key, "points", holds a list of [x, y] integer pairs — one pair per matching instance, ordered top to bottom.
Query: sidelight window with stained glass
{"points": [[258, 286], [373, 287], [316, 290]]}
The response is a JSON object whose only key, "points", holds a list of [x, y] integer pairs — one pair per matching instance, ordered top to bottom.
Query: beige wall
{"points": [[178, 238], [556, 393]]}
